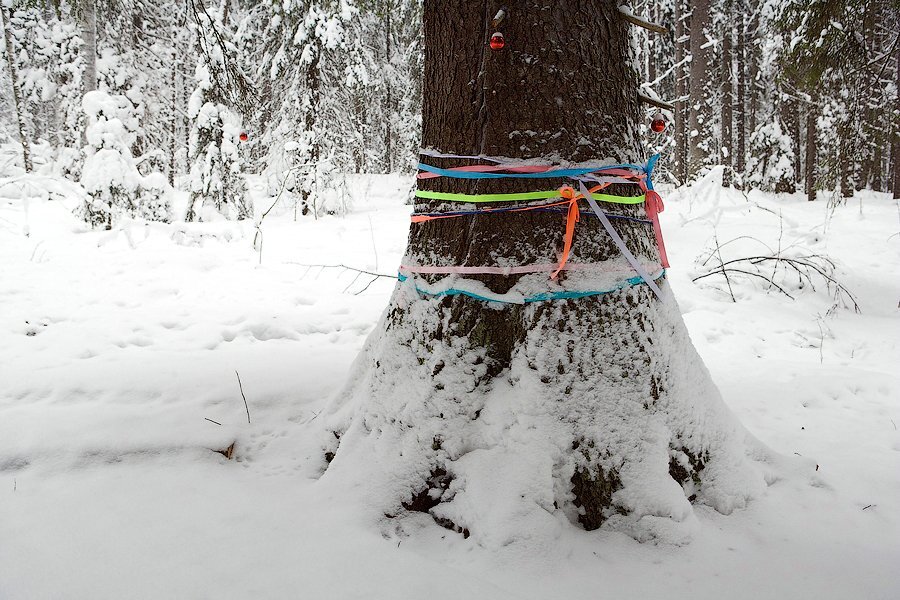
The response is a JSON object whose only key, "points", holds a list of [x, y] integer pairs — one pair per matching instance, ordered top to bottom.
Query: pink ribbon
{"points": [[517, 270]]}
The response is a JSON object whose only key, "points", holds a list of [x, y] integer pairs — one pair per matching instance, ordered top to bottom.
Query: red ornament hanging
{"points": [[497, 41], [658, 124], [243, 136]]}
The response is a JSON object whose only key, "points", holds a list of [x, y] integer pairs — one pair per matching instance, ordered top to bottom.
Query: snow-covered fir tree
{"points": [[216, 162], [110, 176]]}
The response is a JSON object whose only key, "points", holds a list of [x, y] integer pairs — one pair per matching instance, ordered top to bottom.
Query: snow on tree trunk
{"points": [[88, 21], [726, 74], [681, 95], [740, 103], [19, 106], [700, 121], [895, 141], [810, 166], [506, 421]]}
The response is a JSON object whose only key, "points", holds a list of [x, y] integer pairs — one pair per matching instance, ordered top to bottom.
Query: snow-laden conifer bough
{"points": [[532, 370]]}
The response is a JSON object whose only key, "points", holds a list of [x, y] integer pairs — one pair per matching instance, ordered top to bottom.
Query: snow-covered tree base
{"points": [[602, 413]]}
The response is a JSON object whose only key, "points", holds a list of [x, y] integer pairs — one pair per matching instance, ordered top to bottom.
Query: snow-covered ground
{"points": [[118, 359]]}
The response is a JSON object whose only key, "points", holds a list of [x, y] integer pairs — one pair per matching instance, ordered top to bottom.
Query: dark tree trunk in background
{"points": [[88, 22], [752, 54], [726, 74], [388, 96], [682, 102], [18, 103], [740, 104], [790, 119], [700, 122], [895, 140], [846, 160], [810, 175], [309, 191], [439, 372]]}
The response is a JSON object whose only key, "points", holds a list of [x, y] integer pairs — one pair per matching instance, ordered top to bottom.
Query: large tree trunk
{"points": [[18, 103], [498, 419]]}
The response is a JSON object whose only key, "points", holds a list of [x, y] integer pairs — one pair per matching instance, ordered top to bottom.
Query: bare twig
{"points": [[626, 14], [655, 102], [259, 233], [341, 266], [722, 267], [807, 267], [750, 273], [349, 285], [368, 285], [241, 387], [211, 421]]}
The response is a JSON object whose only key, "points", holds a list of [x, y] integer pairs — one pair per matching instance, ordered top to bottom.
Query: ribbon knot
{"points": [[567, 192]]}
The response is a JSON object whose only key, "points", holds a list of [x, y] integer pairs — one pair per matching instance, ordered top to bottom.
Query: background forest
{"points": [[133, 97]]}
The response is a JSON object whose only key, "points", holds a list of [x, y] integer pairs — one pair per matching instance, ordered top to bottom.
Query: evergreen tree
{"points": [[216, 177]]}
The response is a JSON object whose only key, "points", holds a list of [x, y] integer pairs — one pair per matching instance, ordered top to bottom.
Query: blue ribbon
{"points": [[648, 169], [544, 297]]}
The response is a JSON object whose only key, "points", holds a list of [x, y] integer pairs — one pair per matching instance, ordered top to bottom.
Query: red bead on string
{"points": [[497, 41], [658, 124], [243, 136]]}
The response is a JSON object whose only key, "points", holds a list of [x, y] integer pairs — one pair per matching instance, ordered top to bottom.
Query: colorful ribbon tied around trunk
{"points": [[591, 180]]}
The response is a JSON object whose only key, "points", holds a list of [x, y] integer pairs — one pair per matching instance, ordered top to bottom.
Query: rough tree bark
{"points": [[18, 103], [507, 420]]}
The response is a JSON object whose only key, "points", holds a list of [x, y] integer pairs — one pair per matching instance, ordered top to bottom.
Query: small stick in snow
{"points": [[241, 387], [211, 421], [869, 506]]}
